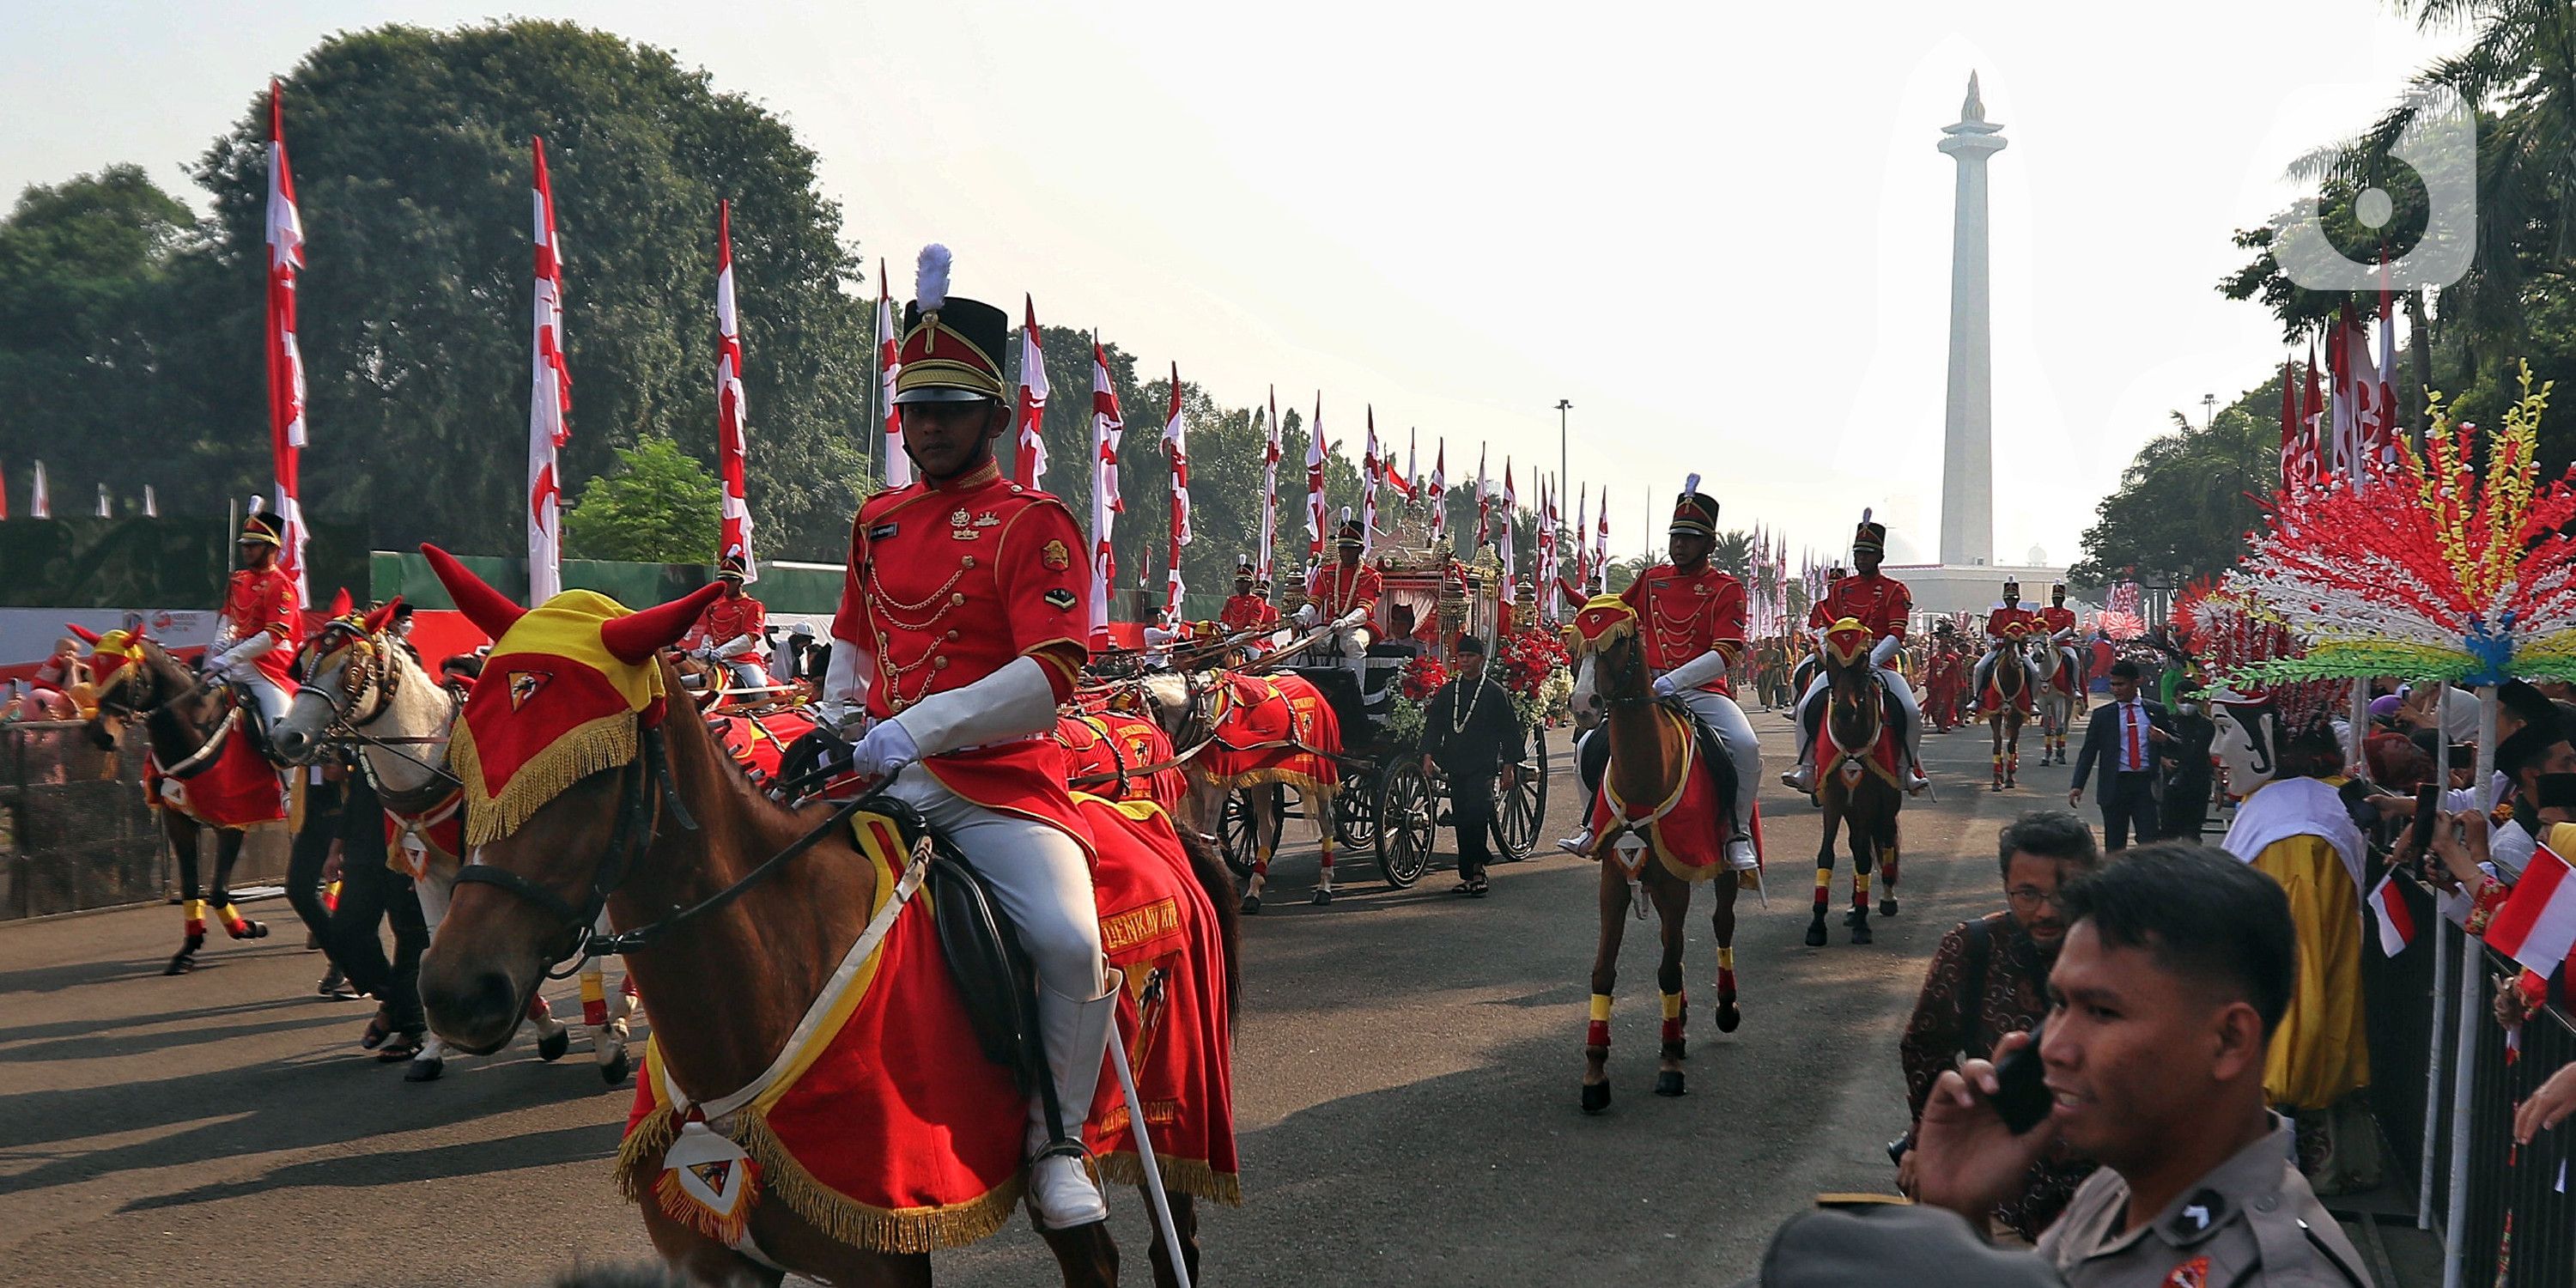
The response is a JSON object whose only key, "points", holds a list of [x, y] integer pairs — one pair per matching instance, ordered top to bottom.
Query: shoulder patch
{"points": [[1055, 556]]}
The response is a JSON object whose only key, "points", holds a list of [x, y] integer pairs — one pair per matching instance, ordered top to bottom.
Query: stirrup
{"points": [[1801, 779]]}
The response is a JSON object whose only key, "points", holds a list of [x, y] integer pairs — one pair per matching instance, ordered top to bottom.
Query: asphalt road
{"points": [[1406, 1075]]}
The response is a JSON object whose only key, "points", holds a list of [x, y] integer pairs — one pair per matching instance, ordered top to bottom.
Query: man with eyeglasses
{"points": [[1988, 978]]}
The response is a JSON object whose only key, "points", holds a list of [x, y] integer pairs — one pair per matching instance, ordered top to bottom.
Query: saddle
{"points": [[1712, 753]]}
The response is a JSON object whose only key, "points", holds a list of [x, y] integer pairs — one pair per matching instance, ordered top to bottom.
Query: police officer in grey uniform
{"points": [[2176, 971]]}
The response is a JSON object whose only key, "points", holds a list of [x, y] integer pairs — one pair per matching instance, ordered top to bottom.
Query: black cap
{"points": [[1471, 644]]}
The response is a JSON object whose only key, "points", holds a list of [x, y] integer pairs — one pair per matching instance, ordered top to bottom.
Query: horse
{"points": [[364, 686], [2059, 702], [2001, 704], [1255, 736], [1652, 745], [1857, 759], [204, 773], [757, 926]]}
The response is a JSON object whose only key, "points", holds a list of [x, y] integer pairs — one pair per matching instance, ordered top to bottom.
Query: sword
{"points": [[1145, 1154]]}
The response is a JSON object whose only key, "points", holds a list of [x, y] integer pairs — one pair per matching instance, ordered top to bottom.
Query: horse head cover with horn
{"points": [[1602, 621], [1847, 641], [566, 692]]}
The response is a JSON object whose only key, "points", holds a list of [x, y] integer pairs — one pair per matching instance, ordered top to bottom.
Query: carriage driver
{"points": [[1345, 594], [1884, 605], [1244, 609], [1690, 616], [1997, 622], [962, 625], [261, 626], [729, 634]]}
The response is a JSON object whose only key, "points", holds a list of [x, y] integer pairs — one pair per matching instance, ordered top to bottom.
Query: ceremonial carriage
{"points": [[1385, 804]]}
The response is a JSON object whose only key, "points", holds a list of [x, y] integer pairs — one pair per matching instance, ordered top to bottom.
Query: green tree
{"points": [[411, 156], [2184, 505], [660, 506], [1732, 552]]}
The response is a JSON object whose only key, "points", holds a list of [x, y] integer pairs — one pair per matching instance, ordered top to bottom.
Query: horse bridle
{"points": [[384, 679], [210, 737]]}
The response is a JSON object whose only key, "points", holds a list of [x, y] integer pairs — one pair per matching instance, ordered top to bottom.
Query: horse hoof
{"points": [[1996, 788], [1321, 896], [1251, 905], [1887, 906], [1853, 917], [251, 930], [1860, 932], [1816, 933], [181, 962], [1728, 1017], [553, 1045], [425, 1069], [614, 1072], [1669, 1083], [1596, 1097]]}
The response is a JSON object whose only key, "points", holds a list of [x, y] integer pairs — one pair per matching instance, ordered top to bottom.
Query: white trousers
{"points": [[1986, 667], [748, 675], [1895, 684], [269, 700], [1720, 714], [1039, 875]]}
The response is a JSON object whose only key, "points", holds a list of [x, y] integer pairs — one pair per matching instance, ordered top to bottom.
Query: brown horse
{"points": [[2003, 704], [196, 730], [1651, 749], [1854, 783], [727, 988]]}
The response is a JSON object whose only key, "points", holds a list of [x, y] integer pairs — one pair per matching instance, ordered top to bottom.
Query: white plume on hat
{"points": [[930, 278], [1690, 486]]}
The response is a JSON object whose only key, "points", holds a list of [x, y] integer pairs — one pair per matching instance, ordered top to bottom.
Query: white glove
{"points": [[1306, 615], [1350, 619], [1664, 686], [883, 750]]}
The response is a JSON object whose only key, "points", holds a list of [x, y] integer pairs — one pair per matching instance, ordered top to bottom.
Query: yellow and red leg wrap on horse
{"points": [[1824, 887], [1860, 892], [331, 897], [195, 912], [235, 924], [1726, 975], [594, 999], [1676, 1015], [1597, 1032]]}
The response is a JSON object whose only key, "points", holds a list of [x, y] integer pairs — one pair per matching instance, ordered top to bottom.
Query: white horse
{"points": [[365, 683], [1187, 706], [2057, 708]]}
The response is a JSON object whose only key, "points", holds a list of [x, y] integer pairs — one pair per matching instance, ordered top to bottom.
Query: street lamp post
{"points": [[1562, 405], [2208, 410]]}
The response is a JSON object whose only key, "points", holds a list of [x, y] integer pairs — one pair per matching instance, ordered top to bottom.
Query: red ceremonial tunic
{"points": [[948, 584], [1337, 590], [263, 599], [1879, 602], [1243, 612], [1682, 615], [728, 617], [2000, 618], [2057, 619]]}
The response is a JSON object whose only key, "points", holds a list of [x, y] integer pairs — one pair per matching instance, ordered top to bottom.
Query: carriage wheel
{"points": [[1355, 808], [1523, 810], [1407, 824], [1234, 835]]}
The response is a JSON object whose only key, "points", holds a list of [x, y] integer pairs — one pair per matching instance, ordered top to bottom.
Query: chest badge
{"points": [[988, 519], [961, 527], [1055, 556]]}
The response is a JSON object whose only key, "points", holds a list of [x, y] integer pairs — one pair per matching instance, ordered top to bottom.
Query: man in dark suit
{"points": [[2125, 735]]}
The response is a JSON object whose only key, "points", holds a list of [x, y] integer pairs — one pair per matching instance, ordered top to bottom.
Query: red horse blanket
{"points": [[1273, 729], [758, 743], [1104, 751], [239, 788], [1686, 830], [414, 841], [889, 1130]]}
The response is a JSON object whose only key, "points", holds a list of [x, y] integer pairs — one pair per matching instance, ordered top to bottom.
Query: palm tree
{"points": [[1732, 552]]}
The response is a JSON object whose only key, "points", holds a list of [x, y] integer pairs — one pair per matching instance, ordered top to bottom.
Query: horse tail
{"points": [[1209, 867]]}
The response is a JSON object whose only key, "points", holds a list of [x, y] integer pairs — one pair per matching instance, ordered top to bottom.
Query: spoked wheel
{"points": [[1355, 808], [1523, 809], [1408, 823], [1234, 831]]}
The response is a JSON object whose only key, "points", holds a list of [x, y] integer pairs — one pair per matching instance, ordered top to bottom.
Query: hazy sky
{"points": [[1722, 231]]}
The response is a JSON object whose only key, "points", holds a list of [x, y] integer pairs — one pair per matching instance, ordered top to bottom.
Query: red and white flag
{"points": [[285, 361], [549, 401], [2289, 421], [1107, 428], [1176, 445], [731, 447], [2383, 449], [1270, 452], [2315, 453], [1029, 462], [898, 467], [1372, 471], [1412, 482], [1440, 489], [1484, 502], [40, 503], [1315, 518], [1601, 538], [1582, 543], [1511, 588], [1550, 597], [2396, 920], [2537, 924]]}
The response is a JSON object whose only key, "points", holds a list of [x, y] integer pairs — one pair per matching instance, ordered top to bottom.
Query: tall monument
{"points": [[1967, 439]]}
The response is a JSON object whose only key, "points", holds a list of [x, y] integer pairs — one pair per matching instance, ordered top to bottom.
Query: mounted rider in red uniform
{"points": [[1884, 605], [2004, 615], [1690, 616], [2060, 621], [261, 627], [961, 627], [729, 633]]}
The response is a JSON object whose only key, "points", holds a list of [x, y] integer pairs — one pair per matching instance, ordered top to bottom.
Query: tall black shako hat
{"points": [[952, 346], [1695, 513], [260, 529], [1353, 535], [1870, 536]]}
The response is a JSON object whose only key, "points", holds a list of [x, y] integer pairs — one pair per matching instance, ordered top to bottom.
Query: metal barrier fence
{"points": [[75, 832], [2417, 1009]]}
